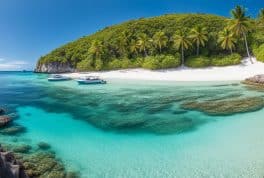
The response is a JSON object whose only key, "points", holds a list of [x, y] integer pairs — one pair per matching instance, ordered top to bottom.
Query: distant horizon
{"points": [[29, 32]]}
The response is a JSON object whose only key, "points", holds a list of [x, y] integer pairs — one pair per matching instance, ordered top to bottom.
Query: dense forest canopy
{"points": [[196, 40]]}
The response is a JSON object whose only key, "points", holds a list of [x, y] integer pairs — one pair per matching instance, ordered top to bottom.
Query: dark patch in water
{"points": [[123, 110], [179, 111], [28, 114], [13, 129]]}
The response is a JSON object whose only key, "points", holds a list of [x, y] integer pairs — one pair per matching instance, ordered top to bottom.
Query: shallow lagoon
{"points": [[136, 128]]}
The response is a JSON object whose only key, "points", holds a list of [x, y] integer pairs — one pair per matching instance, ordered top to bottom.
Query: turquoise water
{"points": [[136, 128]]}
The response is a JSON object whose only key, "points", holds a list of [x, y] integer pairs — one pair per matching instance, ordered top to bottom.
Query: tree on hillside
{"points": [[261, 15], [240, 25], [199, 37], [160, 40], [227, 40], [182, 42], [123, 43], [143, 43], [133, 47], [97, 49]]}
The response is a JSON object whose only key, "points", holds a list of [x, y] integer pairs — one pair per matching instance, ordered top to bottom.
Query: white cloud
{"points": [[7, 64]]}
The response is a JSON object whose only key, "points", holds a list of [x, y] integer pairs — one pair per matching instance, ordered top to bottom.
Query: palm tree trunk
{"points": [[245, 39], [198, 46], [160, 48], [231, 50], [145, 51], [182, 51]]}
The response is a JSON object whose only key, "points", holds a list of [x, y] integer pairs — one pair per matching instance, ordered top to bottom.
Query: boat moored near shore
{"points": [[57, 77], [91, 80]]}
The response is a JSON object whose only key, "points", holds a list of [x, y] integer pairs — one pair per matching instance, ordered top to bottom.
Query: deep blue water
{"points": [[136, 128]]}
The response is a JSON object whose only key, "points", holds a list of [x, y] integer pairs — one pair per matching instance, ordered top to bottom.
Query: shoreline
{"points": [[228, 73]]}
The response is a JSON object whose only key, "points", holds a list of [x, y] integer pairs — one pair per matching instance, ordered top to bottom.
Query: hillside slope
{"points": [[118, 46]]}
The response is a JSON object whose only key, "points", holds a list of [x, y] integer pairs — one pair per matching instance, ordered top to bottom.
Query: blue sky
{"points": [[31, 28]]}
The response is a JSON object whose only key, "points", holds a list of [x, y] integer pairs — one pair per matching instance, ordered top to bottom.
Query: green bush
{"points": [[259, 53], [226, 60], [170, 61], [198, 61], [151, 62], [161, 62], [124, 63], [127, 63], [98, 64], [115, 64], [85, 65]]}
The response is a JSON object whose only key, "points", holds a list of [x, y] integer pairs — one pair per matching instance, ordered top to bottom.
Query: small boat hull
{"points": [[58, 79], [90, 82]]}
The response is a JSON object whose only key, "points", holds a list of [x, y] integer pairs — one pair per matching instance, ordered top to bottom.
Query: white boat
{"points": [[57, 77], [91, 80]]}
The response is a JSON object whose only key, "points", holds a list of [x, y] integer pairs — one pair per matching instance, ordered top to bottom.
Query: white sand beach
{"points": [[231, 73]]}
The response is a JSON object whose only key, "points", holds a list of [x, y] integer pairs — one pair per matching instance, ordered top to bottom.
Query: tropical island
{"points": [[168, 41], [56, 127]]}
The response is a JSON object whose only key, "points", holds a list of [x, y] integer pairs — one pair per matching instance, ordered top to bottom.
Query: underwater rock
{"points": [[255, 80], [258, 88], [233, 96], [226, 107], [2, 111], [179, 111], [4, 120], [172, 125], [13, 130], [43, 146], [22, 149], [44, 165], [10, 167], [72, 175]]}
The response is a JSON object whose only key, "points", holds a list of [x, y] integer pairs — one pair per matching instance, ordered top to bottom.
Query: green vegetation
{"points": [[261, 14], [240, 25], [199, 37], [227, 40], [165, 42], [182, 42], [259, 53], [217, 60], [226, 60], [198, 61], [162, 62]]}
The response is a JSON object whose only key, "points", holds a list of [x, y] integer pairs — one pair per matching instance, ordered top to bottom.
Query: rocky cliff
{"points": [[54, 67]]}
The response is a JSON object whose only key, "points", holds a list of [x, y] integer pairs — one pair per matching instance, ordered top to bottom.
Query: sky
{"points": [[32, 28]]}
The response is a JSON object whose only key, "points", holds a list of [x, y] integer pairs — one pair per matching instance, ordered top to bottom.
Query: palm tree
{"points": [[261, 16], [240, 25], [199, 37], [160, 40], [227, 40], [123, 42], [182, 42], [143, 43], [133, 47], [96, 49]]}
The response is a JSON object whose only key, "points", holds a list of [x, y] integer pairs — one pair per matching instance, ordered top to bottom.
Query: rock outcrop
{"points": [[54, 67], [255, 80], [227, 106], [13, 130], [10, 167]]}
